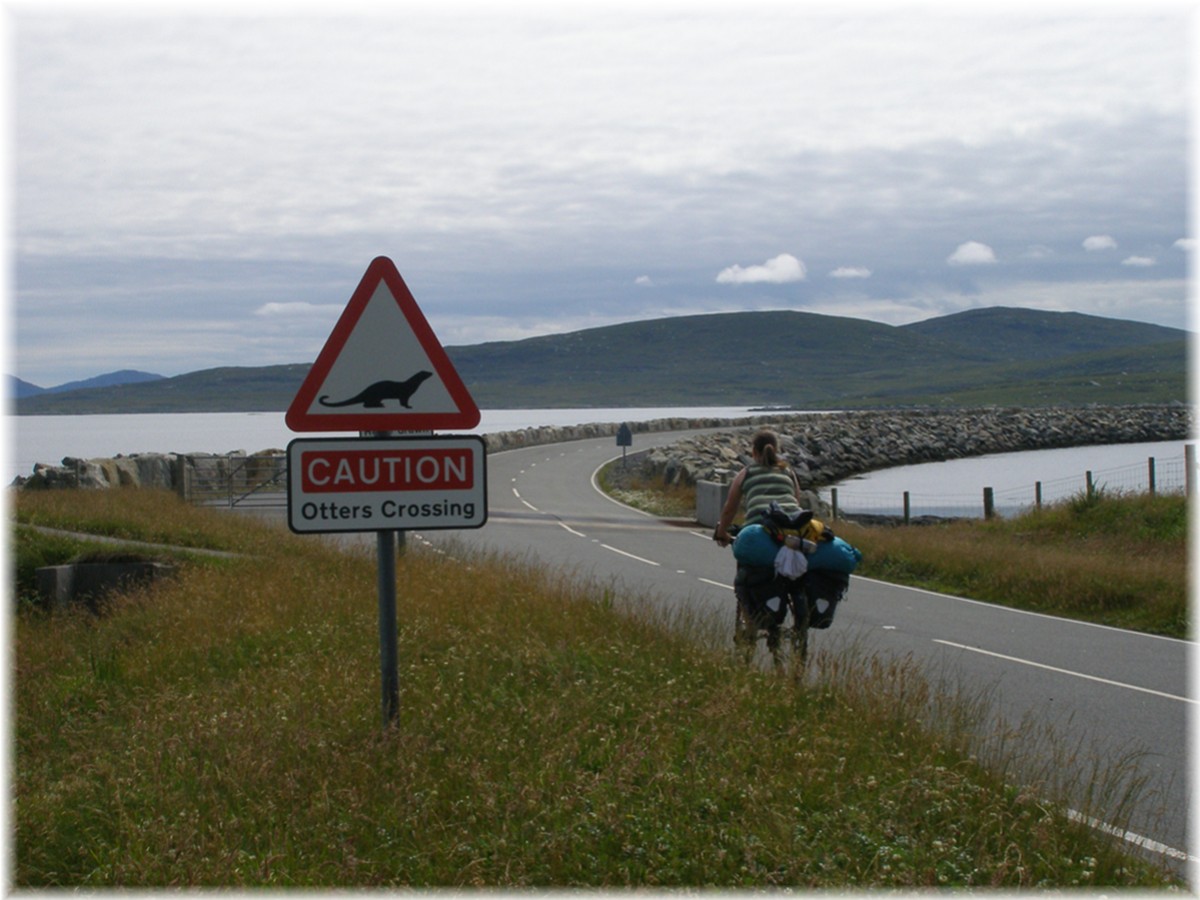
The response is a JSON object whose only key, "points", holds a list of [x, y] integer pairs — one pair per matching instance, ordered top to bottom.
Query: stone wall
{"points": [[823, 447], [827, 448], [169, 471]]}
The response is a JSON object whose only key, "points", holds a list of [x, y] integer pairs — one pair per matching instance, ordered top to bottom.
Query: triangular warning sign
{"points": [[382, 368]]}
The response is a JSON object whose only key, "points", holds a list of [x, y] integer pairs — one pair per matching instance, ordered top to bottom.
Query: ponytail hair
{"points": [[766, 445]]}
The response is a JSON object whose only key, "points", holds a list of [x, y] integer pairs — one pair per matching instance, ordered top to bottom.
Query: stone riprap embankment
{"points": [[823, 447], [827, 448], [171, 471]]}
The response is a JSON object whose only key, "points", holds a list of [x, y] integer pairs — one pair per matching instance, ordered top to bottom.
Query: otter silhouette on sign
{"points": [[373, 395]]}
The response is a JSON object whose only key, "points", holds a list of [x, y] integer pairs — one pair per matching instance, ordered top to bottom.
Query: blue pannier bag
{"points": [[754, 546], [835, 556]]}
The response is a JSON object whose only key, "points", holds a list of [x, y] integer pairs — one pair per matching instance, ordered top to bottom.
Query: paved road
{"points": [[1103, 691]]}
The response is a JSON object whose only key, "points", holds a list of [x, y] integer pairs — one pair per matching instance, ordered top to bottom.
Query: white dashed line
{"points": [[648, 562], [1037, 665]]}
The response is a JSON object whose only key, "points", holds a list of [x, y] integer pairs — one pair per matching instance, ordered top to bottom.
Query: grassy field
{"points": [[1108, 558], [222, 729]]}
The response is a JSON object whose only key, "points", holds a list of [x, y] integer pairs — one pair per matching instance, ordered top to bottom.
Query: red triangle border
{"points": [[298, 417]]}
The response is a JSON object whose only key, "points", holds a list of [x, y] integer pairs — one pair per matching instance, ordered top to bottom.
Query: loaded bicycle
{"points": [[787, 565]]}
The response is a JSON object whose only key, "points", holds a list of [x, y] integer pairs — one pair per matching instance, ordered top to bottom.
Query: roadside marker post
{"points": [[383, 374], [624, 440]]}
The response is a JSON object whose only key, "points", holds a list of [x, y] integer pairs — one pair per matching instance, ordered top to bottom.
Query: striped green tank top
{"points": [[764, 484]]}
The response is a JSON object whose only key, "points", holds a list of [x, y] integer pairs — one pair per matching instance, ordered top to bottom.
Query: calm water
{"points": [[47, 439], [955, 487], [947, 488]]}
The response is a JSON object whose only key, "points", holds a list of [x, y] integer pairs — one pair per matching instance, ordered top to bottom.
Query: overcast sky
{"points": [[200, 191]]}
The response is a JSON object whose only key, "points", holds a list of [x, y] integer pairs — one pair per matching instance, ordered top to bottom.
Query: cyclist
{"points": [[768, 480]]}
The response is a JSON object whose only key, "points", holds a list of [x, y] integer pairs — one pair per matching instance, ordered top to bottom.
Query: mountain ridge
{"points": [[996, 355], [19, 388]]}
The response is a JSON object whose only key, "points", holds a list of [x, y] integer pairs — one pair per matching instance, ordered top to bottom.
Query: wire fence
{"points": [[1174, 475]]}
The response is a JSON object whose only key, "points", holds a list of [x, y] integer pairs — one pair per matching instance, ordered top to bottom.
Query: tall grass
{"points": [[635, 489], [1113, 559], [222, 729]]}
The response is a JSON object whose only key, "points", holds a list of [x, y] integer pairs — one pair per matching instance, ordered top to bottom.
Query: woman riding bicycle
{"points": [[768, 479], [766, 483]]}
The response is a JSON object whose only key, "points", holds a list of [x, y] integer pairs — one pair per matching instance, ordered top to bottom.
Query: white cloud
{"points": [[1099, 242], [1185, 244], [972, 253], [1141, 261], [778, 270], [850, 272], [643, 281], [294, 309]]}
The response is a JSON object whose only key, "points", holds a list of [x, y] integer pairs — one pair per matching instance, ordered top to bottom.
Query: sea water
{"points": [[47, 439], [956, 487]]}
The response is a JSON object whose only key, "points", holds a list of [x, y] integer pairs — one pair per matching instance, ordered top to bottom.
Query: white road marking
{"points": [[517, 494], [567, 527], [648, 562], [1019, 612], [1037, 665], [1131, 837]]}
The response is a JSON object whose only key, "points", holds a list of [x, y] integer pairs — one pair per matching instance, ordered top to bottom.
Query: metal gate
{"points": [[258, 480]]}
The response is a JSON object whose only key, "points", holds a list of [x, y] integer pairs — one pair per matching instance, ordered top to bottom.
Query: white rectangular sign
{"points": [[381, 484]]}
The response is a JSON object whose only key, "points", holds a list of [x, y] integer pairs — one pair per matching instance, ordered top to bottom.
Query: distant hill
{"points": [[1011, 334], [780, 358], [112, 379], [19, 388]]}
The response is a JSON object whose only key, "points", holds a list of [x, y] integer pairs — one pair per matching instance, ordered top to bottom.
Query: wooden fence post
{"points": [[989, 503]]}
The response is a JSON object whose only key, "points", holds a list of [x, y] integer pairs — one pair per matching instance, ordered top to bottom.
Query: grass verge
{"points": [[1114, 560], [221, 729]]}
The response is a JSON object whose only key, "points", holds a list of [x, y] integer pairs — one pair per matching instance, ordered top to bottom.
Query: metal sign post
{"points": [[382, 372], [624, 441], [387, 484], [389, 622], [389, 659]]}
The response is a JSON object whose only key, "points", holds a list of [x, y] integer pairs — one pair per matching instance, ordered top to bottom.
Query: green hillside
{"points": [[1007, 333], [988, 356]]}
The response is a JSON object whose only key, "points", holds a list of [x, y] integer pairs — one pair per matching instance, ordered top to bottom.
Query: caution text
{"points": [[348, 471]]}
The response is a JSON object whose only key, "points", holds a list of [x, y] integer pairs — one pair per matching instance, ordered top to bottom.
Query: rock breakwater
{"points": [[827, 448], [180, 472]]}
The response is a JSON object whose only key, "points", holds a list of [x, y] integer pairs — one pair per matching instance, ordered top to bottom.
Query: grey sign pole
{"points": [[624, 440], [389, 624], [389, 663]]}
